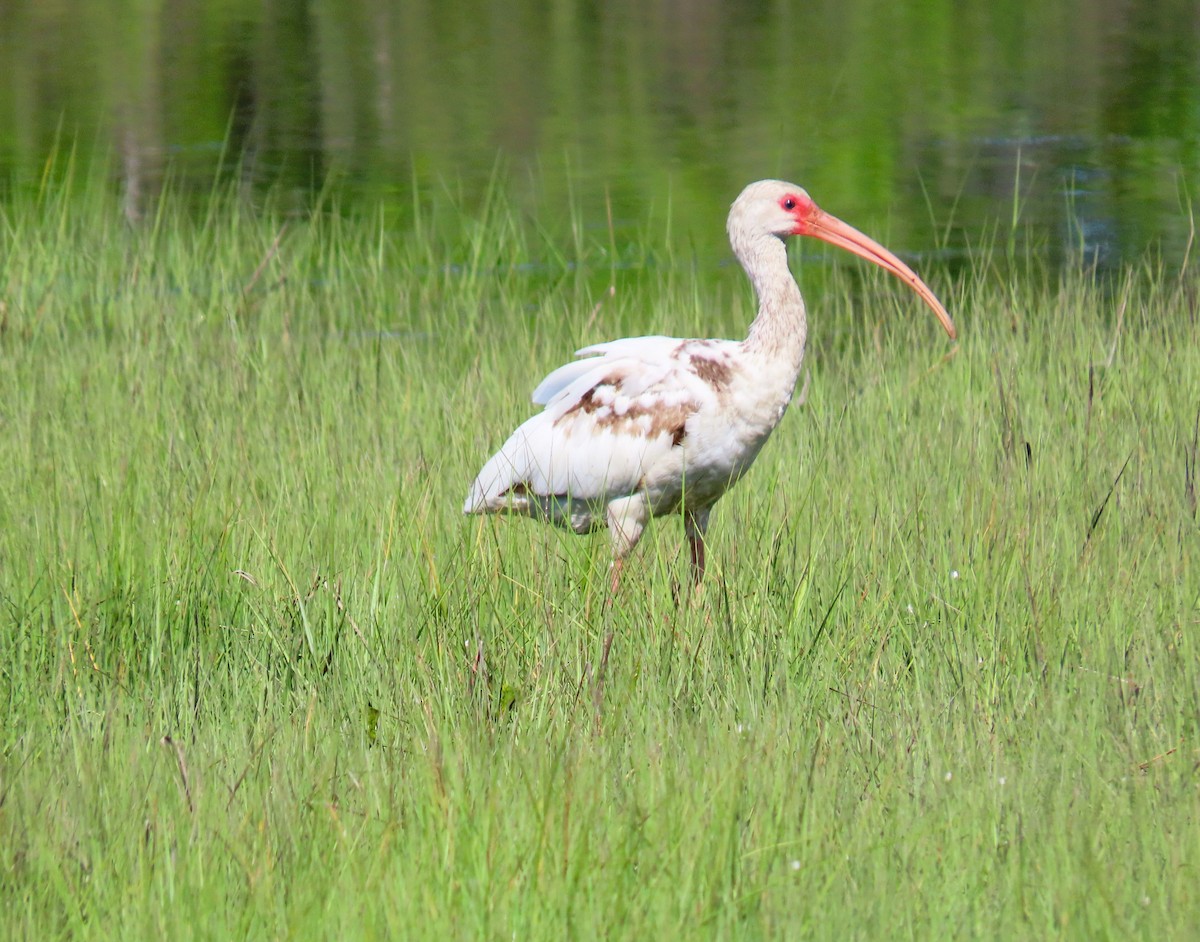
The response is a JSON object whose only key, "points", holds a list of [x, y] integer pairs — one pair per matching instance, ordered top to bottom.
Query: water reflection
{"points": [[935, 124]]}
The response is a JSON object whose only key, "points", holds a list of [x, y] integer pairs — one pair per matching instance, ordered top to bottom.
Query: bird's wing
{"points": [[647, 349], [607, 420]]}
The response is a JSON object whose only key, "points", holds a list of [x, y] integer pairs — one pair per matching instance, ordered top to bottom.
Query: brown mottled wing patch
{"points": [[713, 372], [589, 404], [646, 415]]}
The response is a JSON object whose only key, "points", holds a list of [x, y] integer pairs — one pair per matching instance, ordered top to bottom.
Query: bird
{"points": [[650, 426]]}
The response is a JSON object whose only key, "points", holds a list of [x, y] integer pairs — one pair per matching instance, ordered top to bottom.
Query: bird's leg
{"points": [[626, 520], [695, 523], [696, 544], [615, 579]]}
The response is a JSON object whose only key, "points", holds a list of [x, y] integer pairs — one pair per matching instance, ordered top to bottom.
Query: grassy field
{"points": [[261, 679]]}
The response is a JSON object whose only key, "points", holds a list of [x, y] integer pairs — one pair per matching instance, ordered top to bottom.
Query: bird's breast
{"points": [[721, 443]]}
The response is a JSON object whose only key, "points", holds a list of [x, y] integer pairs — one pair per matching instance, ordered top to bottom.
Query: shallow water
{"points": [[1059, 127]]}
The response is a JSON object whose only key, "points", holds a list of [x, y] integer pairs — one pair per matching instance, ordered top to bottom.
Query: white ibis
{"points": [[648, 426]]}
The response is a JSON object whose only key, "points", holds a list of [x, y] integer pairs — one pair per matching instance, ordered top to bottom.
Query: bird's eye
{"points": [[789, 203]]}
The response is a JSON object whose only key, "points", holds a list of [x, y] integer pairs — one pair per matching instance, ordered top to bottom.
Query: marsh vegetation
{"points": [[260, 678]]}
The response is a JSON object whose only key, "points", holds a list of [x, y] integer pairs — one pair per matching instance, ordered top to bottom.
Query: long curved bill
{"points": [[821, 225]]}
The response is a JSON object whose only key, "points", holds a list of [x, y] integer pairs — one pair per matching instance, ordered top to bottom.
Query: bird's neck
{"points": [[781, 328]]}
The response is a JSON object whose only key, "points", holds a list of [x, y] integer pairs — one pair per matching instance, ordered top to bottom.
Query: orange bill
{"points": [[820, 225]]}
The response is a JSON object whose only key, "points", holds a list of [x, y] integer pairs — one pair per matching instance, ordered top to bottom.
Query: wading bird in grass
{"points": [[648, 426]]}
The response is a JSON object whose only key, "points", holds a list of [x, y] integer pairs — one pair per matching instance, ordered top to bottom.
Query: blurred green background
{"points": [[934, 124]]}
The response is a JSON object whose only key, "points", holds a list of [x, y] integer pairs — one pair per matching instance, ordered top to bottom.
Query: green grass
{"points": [[261, 679]]}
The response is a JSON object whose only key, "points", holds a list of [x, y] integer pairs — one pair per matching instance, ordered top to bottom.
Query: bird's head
{"points": [[772, 207], [775, 208]]}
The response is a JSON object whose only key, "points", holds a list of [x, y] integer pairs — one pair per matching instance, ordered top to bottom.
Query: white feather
{"points": [[646, 349]]}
